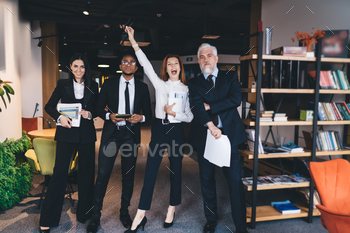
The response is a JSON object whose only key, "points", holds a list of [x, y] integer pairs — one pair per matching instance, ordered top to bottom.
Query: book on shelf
{"points": [[295, 51], [336, 79], [333, 111], [280, 114], [280, 118], [251, 140], [325, 140], [291, 148], [273, 150], [276, 180], [304, 193], [285, 207]]}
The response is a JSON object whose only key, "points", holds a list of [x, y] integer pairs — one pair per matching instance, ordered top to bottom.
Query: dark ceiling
{"points": [[178, 30]]}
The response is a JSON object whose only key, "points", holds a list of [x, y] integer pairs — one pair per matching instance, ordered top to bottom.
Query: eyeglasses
{"points": [[129, 62]]}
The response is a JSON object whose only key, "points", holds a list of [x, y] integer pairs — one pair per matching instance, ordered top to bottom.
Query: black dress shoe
{"points": [[82, 220], [125, 220], [167, 224], [93, 225], [141, 225], [209, 227], [44, 231]]}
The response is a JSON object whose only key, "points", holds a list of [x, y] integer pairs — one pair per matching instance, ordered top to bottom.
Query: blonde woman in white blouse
{"points": [[172, 108]]}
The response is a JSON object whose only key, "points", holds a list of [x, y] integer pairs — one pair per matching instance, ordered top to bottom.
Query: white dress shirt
{"points": [[215, 74], [163, 88], [78, 90], [121, 105]]}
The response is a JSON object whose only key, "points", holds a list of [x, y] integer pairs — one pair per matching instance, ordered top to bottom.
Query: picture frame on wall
{"points": [[335, 43]]}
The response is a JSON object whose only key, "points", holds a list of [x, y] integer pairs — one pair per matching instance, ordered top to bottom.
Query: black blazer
{"points": [[64, 91], [109, 96], [224, 103]]}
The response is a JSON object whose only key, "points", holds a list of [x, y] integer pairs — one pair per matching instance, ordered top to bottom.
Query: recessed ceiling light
{"points": [[87, 8], [159, 15], [106, 26], [241, 34], [212, 37], [59, 64], [103, 65], [59, 70], [119, 72]]}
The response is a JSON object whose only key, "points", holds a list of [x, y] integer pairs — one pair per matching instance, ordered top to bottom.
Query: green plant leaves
{"points": [[5, 88]]}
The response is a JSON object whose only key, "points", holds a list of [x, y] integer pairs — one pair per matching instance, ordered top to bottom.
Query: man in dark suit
{"points": [[123, 95], [214, 98]]}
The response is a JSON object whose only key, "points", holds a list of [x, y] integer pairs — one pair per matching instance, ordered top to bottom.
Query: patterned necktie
{"points": [[127, 102], [214, 118]]}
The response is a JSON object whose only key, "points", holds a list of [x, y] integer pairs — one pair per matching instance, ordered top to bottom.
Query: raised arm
{"points": [[143, 60]]}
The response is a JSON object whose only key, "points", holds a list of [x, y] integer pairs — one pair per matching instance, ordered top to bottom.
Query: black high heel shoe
{"points": [[141, 225], [167, 225], [44, 231]]}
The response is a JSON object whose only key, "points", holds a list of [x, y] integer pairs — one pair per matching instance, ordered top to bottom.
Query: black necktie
{"points": [[127, 101], [214, 118]]}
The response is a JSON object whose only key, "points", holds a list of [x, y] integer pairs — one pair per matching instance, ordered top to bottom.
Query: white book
{"points": [[251, 140]]}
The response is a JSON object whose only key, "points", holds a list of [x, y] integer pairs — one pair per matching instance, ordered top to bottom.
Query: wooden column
{"points": [[50, 59]]}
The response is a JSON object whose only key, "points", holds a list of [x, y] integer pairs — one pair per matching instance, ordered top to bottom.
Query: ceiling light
{"points": [[87, 8], [159, 15], [106, 26], [241, 34], [213, 37], [105, 40], [64, 41], [40, 43], [59, 64], [103, 65], [59, 70], [119, 72]]}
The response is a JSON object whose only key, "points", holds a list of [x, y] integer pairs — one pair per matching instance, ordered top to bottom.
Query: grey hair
{"points": [[207, 46]]}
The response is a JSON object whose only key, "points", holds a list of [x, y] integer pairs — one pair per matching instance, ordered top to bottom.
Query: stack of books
{"points": [[332, 79], [333, 111], [264, 115], [280, 117], [251, 140], [325, 140], [291, 148], [276, 180], [285, 207]]}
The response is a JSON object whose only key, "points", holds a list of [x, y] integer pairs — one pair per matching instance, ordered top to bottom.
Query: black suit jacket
{"points": [[64, 91], [109, 96], [224, 103]]}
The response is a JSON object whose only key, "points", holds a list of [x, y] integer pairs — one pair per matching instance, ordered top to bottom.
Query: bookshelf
{"points": [[267, 213]]}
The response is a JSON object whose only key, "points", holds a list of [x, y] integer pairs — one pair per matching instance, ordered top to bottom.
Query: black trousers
{"points": [[170, 137], [124, 141], [237, 195], [52, 205]]}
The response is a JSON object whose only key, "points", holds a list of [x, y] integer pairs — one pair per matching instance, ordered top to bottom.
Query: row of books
{"points": [[336, 79], [333, 111], [266, 116], [325, 140], [291, 148], [276, 180], [285, 207]]}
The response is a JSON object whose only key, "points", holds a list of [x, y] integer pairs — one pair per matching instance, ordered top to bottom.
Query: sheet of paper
{"points": [[71, 111], [218, 151]]}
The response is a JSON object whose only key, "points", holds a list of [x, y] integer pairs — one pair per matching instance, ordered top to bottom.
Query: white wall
{"points": [[333, 14], [31, 75], [10, 118]]}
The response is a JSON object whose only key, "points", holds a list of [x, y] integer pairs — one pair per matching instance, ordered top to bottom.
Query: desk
{"points": [[45, 133]]}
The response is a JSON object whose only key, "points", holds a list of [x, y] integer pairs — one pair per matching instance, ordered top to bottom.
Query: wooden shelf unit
{"points": [[294, 58], [295, 91], [291, 122], [250, 154], [279, 186], [268, 213]]}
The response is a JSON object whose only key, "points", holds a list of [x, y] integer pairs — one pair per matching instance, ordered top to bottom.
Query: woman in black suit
{"points": [[79, 88]]}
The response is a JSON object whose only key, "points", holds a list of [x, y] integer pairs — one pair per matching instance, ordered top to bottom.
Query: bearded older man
{"points": [[215, 96]]}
